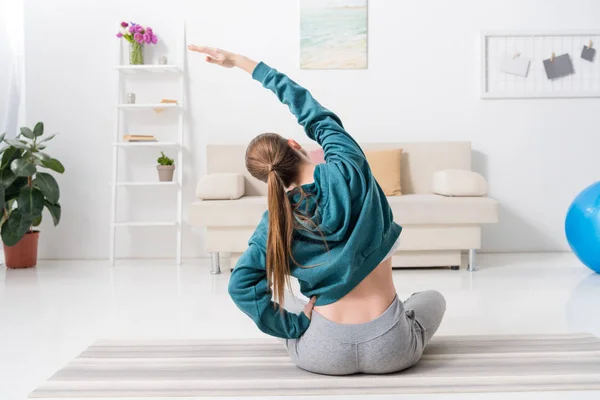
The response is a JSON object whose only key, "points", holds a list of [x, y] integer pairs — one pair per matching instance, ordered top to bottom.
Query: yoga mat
{"points": [[197, 368]]}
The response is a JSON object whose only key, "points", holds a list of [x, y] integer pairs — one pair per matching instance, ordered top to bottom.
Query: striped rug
{"points": [[198, 368]]}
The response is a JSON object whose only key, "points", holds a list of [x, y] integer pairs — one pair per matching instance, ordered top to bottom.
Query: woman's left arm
{"points": [[249, 289]]}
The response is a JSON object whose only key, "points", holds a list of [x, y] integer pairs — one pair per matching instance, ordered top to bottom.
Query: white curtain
{"points": [[12, 66], [12, 70]]}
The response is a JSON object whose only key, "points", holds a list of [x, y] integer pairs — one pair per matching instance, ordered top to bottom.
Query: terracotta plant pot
{"points": [[165, 172], [24, 253]]}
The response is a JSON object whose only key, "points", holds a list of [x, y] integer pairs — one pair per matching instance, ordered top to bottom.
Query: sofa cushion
{"points": [[317, 156], [385, 166], [455, 182], [220, 187], [412, 209], [418, 209], [246, 211]]}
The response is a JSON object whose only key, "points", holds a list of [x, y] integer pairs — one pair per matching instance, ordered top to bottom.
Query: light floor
{"points": [[50, 314]]}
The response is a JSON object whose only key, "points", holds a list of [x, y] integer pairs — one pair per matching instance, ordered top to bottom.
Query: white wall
{"points": [[422, 85]]}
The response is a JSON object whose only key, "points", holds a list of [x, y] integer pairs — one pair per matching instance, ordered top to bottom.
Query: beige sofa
{"points": [[436, 228]]}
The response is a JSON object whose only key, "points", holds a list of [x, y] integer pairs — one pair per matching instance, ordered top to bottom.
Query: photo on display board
{"points": [[588, 53], [515, 65], [559, 66]]}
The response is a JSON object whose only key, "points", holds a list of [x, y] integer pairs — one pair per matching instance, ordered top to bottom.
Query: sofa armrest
{"points": [[459, 183], [221, 187]]}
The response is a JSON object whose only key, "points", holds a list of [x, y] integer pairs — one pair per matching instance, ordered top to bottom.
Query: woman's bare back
{"points": [[366, 301]]}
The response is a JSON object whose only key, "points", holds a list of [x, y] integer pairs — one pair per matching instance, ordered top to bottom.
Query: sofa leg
{"points": [[472, 260], [216, 264]]}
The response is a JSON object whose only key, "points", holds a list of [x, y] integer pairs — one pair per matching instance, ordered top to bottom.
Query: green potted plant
{"points": [[165, 167], [25, 192]]}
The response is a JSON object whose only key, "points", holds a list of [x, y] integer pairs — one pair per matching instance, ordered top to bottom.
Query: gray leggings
{"points": [[392, 342]]}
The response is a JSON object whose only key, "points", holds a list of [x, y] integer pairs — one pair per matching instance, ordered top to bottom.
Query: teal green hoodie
{"points": [[346, 204]]}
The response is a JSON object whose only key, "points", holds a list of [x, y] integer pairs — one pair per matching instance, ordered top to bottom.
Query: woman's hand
{"points": [[216, 56], [224, 58], [308, 308]]}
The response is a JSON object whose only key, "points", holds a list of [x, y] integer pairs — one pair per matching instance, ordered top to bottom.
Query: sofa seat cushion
{"points": [[410, 209], [431, 209], [245, 211]]}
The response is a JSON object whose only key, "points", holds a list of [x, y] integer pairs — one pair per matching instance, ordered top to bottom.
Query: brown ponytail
{"points": [[272, 160], [279, 241]]}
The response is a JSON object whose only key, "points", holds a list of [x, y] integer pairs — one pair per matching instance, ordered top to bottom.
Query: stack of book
{"points": [[164, 101], [139, 138]]}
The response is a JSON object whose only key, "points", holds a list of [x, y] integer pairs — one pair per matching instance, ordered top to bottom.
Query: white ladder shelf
{"points": [[122, 108]]}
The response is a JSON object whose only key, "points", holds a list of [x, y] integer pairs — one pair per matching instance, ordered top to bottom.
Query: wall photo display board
{"points": [[517, 64]]}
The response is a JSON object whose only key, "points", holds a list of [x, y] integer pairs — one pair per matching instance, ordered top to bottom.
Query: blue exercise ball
{"points": [[582, 226]]}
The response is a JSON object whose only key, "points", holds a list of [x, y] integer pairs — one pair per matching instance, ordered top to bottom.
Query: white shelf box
{"points": [[136, 69], [172, 74], [148, 106], [146, 144], [147, 183], [147, 224]]}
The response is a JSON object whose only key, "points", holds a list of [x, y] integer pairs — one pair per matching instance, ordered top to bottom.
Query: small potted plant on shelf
{"points": [[165, 167], [25, 192]]}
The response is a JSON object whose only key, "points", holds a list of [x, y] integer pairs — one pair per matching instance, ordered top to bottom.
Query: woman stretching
{"points": [[330, 226]]}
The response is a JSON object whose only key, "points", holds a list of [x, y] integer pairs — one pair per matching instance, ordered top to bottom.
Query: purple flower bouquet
{"points": [[137, 36]]}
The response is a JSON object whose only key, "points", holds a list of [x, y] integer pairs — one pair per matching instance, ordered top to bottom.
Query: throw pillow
{"points": [[317, 156], [385, 166], [453, 182]]}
